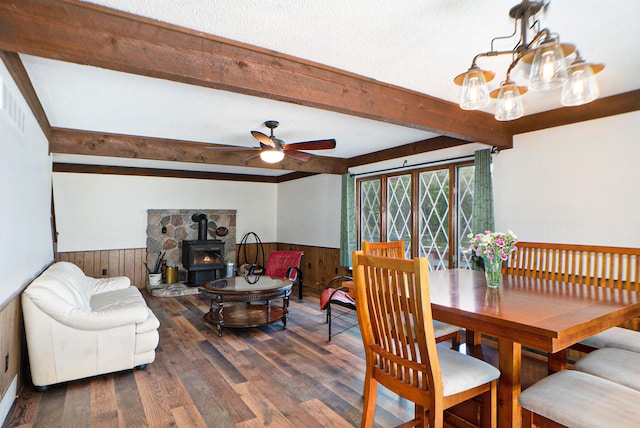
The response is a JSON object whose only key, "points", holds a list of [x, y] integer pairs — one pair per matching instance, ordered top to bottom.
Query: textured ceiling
{"points": [[419, 45]]}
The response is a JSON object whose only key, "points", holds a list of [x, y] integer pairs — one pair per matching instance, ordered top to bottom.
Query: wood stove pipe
{"points": [[201, 219]]}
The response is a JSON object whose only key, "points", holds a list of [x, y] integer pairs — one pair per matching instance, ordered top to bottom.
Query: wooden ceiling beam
{"points": [[88, 34], [19, 74], [602, 107], [72, 141], [418, 147], [159, 172]]}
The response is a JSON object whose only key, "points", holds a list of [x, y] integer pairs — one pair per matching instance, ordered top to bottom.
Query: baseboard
{"points": [[8, 399]]}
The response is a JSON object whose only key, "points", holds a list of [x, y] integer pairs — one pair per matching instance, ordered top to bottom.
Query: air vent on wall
{"points": [[11, 108]]}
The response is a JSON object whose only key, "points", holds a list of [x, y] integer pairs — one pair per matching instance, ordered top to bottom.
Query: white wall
{"points": [[575, 184], [25, 196], [309, 211], [97, 212], [26, 244]]}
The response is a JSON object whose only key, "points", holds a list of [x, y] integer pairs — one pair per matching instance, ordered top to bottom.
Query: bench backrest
{"points": [[613, 267]]}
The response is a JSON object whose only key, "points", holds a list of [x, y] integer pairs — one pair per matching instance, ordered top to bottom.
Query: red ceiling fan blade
{"points": [[263, 139], [312, 145], [300, 156]]}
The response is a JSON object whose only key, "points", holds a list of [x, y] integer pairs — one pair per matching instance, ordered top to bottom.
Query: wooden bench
{"points": [[612, 267]]}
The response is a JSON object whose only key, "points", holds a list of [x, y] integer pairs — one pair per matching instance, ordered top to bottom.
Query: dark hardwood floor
{"points": [[259, 377]]}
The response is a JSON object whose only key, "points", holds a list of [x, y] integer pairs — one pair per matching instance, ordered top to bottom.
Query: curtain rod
{"points": [[494, 151]]}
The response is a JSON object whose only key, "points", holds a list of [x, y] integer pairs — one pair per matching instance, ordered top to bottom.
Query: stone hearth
{"points": [[166, 229]]}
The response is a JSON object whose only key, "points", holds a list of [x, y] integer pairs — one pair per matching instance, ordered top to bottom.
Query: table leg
{"points": [[285, 311], [472, 338], [557, 361], [510, 363]]}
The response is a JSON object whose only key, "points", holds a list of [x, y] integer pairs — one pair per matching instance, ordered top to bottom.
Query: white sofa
{"points": [[78, 326]]}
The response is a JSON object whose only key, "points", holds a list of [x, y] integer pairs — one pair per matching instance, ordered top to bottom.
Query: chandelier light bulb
{"points": [[548, 70], [581, 87], [474, 93], [509, 105], [271, 156]]}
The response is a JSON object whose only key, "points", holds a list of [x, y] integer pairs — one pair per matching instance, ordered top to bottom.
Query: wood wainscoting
{"points": [[104, 263], [319, 264]]}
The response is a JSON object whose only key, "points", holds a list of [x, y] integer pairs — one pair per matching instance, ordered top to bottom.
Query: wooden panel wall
{"points": [[104, 263], [319, 264], [11, 333]]}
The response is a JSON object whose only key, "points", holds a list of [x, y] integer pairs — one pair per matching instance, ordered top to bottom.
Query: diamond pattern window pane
{"points": [[465, 202], [370, 210], [399, 210], [434, 218]]}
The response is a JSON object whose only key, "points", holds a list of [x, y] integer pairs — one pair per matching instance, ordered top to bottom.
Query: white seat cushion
{"points": [[442, 328], [616, 337], [617, 365], [461, 372], [578, 399]]}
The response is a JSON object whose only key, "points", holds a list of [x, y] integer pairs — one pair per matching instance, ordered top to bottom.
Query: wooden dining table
{"points": [[542, 314]]}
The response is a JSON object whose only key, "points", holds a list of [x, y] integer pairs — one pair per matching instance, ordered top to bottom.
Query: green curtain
{"points": [[482, 218], [348, 219]]}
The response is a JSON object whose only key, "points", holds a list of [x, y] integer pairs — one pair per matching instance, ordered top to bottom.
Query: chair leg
{"points": [[329, 319], [455, 341], [370, 393], [489, 414], [527, 419]]}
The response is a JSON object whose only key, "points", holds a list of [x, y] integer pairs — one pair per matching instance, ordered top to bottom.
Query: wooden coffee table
{"points": [[240, 302]]}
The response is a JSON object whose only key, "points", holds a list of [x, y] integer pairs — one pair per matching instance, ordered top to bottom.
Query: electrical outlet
{"points": [[104, 272], [6, 363]]}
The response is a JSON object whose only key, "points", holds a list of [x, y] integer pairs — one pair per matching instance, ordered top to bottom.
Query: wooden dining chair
{"points": [[385, 249], [394, 313], [443, 331]]}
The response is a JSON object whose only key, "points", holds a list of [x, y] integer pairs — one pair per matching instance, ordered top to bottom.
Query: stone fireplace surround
{"points": [[167, 228]]}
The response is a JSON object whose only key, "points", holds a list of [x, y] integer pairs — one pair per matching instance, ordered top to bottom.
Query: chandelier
{"points": [[544, 57]]}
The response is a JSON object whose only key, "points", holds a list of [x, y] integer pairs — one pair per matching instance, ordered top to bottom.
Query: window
{"points": [[429, 208]]}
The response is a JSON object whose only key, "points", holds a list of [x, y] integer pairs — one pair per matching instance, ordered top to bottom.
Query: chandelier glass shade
{"points": [[545, 59], [548, 69], [581, 87], [509, 101], [271, 156]]}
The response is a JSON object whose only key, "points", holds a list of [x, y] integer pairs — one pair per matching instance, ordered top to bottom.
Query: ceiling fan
{"points": [[273, 150]]}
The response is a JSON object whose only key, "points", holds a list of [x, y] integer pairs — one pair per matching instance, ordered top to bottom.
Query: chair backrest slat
{"points": [[385, 249]]}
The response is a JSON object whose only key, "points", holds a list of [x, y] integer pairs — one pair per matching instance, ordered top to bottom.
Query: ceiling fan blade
{"points": [[263, 139], [312, 145], [230, 148], [300, 156], [249, 158]]}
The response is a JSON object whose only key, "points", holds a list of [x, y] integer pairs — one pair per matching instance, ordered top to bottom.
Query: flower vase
{"points": [[493, 271]]}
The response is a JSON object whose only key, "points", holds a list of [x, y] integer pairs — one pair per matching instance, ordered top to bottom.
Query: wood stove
{"points": [[202, 258]]}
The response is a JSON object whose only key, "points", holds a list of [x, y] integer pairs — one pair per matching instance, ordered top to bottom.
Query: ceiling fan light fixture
{"points": [[271, 156]]}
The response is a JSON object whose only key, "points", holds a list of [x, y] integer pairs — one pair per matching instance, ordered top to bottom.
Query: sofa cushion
{"points": [[63, 284], [103, 285]]}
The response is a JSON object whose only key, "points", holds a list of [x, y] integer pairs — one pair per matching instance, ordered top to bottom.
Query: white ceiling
{"points": [[419, 45]]}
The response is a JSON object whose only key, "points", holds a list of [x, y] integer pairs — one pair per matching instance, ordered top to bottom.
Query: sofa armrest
{"points": [[103, 285], [78, 318], [105, 319]]}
